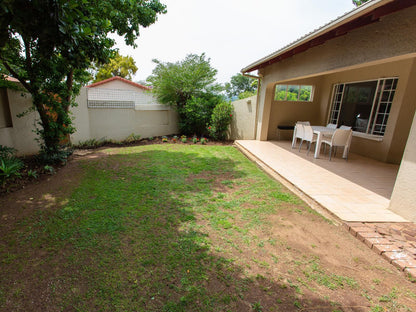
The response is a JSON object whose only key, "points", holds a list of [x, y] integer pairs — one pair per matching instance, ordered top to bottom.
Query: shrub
{"points": [[246, 94], [197, 112], [220, 120], [132, 138], [91, 143], [6, 152], [51, 157], [10, 165], [33, 174]]}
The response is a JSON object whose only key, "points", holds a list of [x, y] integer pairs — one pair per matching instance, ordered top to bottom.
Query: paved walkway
{"points": [[365, 216]]}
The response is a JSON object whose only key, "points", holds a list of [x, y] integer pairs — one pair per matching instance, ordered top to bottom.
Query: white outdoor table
{"points": [[325, 131]]}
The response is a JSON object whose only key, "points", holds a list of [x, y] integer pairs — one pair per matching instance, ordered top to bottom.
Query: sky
{"points": [[231, 33]]}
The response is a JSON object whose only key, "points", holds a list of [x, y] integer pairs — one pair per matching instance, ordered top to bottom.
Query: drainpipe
{"points": [[259, 77]]}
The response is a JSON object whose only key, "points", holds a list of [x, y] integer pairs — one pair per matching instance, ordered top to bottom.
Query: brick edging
{"points": [[402, 256]]}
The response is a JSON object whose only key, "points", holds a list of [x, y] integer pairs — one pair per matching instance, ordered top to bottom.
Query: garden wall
{"points": [[114, 114], [145, 119], [243, 124], [17, 132]]}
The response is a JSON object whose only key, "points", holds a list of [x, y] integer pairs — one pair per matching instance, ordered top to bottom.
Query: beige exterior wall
{"points": [[392, 36], [382, 49], [287, 113], [81, 118], [147, 118], [243, 123], [117, 124], [18, 132], [391, 147], [403, 199]]}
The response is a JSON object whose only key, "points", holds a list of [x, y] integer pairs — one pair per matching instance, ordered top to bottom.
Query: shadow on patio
{"points": [[355, 190]]}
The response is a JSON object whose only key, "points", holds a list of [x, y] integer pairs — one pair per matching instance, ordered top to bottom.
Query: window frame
{"points": [[294, 85], [338, 94]]}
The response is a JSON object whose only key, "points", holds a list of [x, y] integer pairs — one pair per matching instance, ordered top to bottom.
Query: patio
{"points": [[357, 190]]}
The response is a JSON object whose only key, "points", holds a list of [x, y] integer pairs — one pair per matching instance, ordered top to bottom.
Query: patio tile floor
{"points": [[336, 191], [355, 192]]}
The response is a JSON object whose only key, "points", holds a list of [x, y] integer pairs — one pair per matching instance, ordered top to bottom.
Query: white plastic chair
{"points": [[331, 126], [345, 127], [298, 132], [308, 136], [341, 137]]}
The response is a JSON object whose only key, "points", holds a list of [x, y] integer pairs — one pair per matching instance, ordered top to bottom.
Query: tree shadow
{"points": [[132, 238]]}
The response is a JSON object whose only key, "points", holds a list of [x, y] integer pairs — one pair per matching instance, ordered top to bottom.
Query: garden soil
{"points": [[299, 233]]}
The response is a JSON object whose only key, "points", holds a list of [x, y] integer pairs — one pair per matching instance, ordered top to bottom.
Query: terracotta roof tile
{"points": [[135, 84]]}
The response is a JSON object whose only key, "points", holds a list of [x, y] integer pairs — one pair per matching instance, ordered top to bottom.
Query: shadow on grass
{"points": [[135, 236]]}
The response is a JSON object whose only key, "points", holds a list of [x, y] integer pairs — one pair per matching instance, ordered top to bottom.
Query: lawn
{"points": [[181, 228]]}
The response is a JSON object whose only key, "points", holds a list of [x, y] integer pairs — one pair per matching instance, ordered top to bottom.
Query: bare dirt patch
{"points": [[297, 260]]}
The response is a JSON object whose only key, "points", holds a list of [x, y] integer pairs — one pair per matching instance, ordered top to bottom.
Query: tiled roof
{"points": [[135, 84]]}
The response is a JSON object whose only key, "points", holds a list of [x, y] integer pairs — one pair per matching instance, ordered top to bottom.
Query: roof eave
{"points": [[348, 17]]}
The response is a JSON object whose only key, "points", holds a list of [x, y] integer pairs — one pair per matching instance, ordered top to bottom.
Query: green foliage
{"points": [[359, 2], [48, 46], [122, 66], [176, 83], [240, 84], [188, 86], [292, 93], [246, 94], [196, 114], [220, 120], [132, 138], [91, 143], [6, 152], [55, 156], [10, 165], [9, 168], [48, 169], [32, 174], [256, 306]]}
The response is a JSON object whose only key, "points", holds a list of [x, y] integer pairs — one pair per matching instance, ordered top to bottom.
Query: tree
{"points": [[358, 2], [48, 45], [119, 65], [175, 83], [240, 84], [189, 87]]}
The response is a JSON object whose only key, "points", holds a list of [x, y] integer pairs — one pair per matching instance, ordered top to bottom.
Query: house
{"points": [[358, 70], [116, 107], [111, 109], [17, 132]]}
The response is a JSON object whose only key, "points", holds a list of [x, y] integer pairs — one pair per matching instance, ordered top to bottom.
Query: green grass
{"points": [[158, 228]]}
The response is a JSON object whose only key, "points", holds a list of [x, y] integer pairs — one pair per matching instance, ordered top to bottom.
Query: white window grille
{"points": [[121, 99], [110, 104], [365, 106]]}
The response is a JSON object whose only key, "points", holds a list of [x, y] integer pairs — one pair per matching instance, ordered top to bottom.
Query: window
{"points": [[293, 93], [364, 106], [5, 115]]}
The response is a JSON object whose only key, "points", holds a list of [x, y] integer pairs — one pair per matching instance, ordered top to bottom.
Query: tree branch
{"points": [[15, 75], [69, 85]]}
